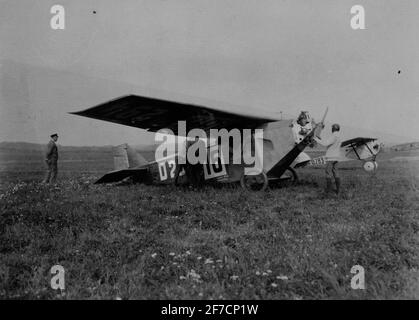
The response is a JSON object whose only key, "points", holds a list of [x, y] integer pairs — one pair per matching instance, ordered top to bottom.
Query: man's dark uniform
{"points": [[51, 158]]}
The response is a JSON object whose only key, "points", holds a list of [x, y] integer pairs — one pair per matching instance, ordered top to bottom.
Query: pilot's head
{"points": [[303, 118], [335, 127], [54, 137]]}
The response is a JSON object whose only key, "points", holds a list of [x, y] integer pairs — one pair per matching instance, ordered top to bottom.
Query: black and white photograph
{"points": [[209, 154]]}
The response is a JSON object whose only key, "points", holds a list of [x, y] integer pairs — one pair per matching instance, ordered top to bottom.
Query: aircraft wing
{"points": [[155, 114], [356, 142]]}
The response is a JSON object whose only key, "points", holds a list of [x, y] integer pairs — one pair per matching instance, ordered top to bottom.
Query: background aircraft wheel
{"points": [[370, 166], [257, 182]]}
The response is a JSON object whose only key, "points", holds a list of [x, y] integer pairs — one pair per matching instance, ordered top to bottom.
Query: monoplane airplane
{"points": [[280, 148]]}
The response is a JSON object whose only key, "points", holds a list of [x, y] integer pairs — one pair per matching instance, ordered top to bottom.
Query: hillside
{"points": [[406, 146]]}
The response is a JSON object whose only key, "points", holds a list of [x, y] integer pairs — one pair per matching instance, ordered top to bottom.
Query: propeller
{"points": [[319, 126]]}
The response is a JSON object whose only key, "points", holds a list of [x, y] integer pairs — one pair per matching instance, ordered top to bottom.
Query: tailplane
{"points": [[125, 157], [127, 163]]}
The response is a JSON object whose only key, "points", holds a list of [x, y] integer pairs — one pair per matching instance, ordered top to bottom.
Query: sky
{"points": [[251, 56]]}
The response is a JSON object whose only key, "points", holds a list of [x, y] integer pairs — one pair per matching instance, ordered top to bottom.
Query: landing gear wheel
{"points": [[290, 175], [287, 179], [257, 182]]}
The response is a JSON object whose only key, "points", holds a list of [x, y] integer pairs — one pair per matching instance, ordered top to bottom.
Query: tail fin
{"points": [[125, 158]]}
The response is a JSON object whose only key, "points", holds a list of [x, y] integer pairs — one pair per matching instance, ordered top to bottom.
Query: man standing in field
{"points": [[332, 156], [51, 159]]}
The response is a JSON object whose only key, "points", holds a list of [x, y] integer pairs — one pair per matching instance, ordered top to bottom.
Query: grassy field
{"points": [[156, 242]]}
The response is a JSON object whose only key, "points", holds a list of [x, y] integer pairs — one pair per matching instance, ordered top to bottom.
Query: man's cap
{"points": [[54, 135]]}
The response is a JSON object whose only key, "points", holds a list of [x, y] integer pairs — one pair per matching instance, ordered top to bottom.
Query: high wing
{"points": [[154, 114], [356, 142]]}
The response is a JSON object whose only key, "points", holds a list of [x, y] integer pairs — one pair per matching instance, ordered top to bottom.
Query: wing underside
{"points": [[155, 114], [356, 142]]}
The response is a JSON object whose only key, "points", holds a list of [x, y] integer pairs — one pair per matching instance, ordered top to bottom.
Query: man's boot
{"points": [[337, 181], [328, 185]]}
